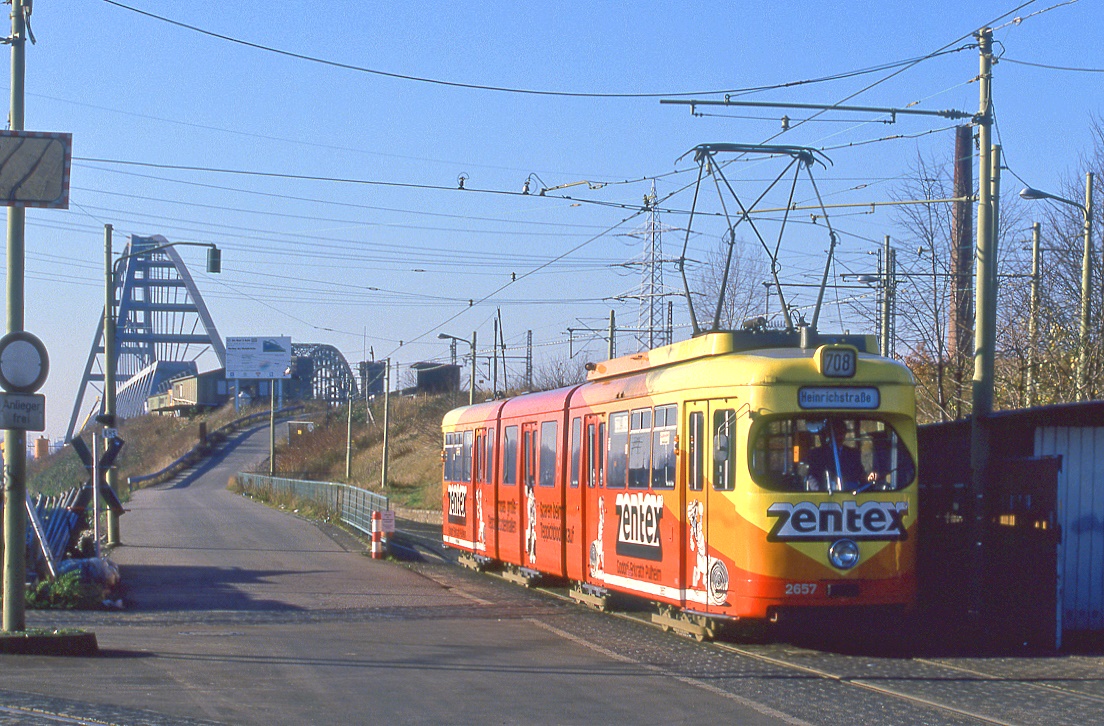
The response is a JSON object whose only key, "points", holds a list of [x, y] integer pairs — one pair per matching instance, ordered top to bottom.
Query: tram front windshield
{"points": [[829, 454]]}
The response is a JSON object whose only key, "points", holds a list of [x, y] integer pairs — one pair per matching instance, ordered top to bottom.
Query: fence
{"points": [[203, 448], [353, 505]]}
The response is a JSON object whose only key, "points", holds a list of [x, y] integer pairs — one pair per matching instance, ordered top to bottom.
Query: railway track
{"points": [[964, 690]]}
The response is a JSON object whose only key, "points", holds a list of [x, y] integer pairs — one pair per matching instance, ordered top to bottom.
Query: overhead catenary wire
{"points": [[506, 89], [448, 188]]}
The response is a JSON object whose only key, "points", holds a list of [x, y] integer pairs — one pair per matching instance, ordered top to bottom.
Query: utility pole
{"points": [[886, 310], [1033, 318], [613, 335], [984, 338], [501, 348], [110, 359], [529, 360], [494, 365], [471, 388], [1083, 392], [386, 421], [272, 427], [15, 441], [349, 443]]}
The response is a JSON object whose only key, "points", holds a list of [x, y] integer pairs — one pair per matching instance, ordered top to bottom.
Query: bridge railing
{"points": [[353, 505]]}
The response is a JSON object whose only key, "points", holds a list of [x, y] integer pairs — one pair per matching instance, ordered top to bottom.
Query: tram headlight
{"points": [[844, 554]]}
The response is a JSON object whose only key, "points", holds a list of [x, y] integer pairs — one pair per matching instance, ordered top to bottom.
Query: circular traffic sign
{"points": [[23, 362]]}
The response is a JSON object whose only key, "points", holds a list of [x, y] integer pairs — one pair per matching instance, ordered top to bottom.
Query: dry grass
{"points": [[152, 442], [414, 469]]}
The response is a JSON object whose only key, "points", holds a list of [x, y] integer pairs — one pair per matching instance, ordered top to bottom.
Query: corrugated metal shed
{"points": [[1081, 517]]}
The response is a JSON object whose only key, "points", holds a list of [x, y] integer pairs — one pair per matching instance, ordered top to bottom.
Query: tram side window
{"points": [[640, 447], [663, 447], [576, 450], [724, 450], [830, 453], [548, 454], [510, 455], [592, 455], [452, 456], [477, 456], [488, 456], [448, 457], [466, 457], [528, 458], [617, 458], [696, 476]]}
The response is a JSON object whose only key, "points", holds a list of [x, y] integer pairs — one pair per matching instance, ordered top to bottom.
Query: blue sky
{"points": [[364, 264]]}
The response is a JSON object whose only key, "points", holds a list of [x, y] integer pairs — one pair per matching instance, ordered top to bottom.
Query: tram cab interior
{"points": [[830, 453]]}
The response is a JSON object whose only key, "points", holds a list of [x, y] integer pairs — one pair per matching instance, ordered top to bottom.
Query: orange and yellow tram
{"points": [[730, 476]]}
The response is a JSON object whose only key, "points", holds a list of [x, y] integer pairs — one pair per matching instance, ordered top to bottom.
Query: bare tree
{"points": [[744, 292], [559, 371]]}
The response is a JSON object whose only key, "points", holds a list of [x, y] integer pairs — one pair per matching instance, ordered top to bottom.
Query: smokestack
{"points": [[959, 327]]}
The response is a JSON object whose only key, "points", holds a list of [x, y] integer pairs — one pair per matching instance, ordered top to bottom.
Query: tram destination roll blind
{"points": [[838, 397]]}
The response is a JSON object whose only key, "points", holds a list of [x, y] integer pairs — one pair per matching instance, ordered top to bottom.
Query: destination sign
{"points": [[838, 397]]}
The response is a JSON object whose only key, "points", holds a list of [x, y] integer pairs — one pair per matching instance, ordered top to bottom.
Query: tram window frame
{"points": [[664, 425], [640, 448], [576, 450], [617, 450], [446, 451], [592, 452], [601, 453], [509, 455], [466, 456], [477, 456], [546, 467], [724, 470], [695, 477]]}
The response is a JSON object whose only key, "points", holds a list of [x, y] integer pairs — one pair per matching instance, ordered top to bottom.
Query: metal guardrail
{"points": [[201, 449], [353, 505]]}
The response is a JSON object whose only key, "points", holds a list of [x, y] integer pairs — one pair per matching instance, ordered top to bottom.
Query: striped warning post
{"points": [[377, 535]]}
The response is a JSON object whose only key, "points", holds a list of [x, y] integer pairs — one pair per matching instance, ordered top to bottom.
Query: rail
{"points": [[204, 447], [353, 505]]}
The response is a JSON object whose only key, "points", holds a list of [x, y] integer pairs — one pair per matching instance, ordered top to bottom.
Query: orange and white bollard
{"points": [[377, 536]]}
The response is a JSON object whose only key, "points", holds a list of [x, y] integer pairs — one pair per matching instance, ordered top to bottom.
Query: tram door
{"points": [[530, 445], [710, 464], [586, 547]]}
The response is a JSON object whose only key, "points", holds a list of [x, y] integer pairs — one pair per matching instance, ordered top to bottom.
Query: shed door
{"points": [[1022, 586]]}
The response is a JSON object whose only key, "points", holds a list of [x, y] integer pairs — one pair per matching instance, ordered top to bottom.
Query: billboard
{"points": [[34, 169], [263, 357]]}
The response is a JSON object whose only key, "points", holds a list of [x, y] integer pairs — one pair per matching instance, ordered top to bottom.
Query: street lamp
{"points": [[111, 272], [1086, 275], [471, 389]]}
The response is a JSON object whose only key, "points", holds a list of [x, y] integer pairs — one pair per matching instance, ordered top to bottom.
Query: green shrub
{"points": [[64, 593]]}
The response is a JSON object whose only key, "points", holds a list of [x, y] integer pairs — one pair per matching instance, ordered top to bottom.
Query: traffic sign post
{"points": [[23, 411], [98, 469]]}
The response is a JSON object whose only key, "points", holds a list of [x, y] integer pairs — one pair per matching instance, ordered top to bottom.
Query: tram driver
{"points": [[834, 465]]}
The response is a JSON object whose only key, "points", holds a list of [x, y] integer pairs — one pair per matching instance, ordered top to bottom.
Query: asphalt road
{"points": [[239, 613]]}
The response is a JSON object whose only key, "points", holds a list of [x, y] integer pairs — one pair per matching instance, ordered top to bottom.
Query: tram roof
{"points": [[721, 343]]}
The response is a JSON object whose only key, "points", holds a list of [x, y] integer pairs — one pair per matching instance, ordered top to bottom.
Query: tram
{"points": [[733, 476]]}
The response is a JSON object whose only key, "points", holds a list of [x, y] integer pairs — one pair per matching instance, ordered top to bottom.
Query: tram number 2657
{"points": [[801, 588]]}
